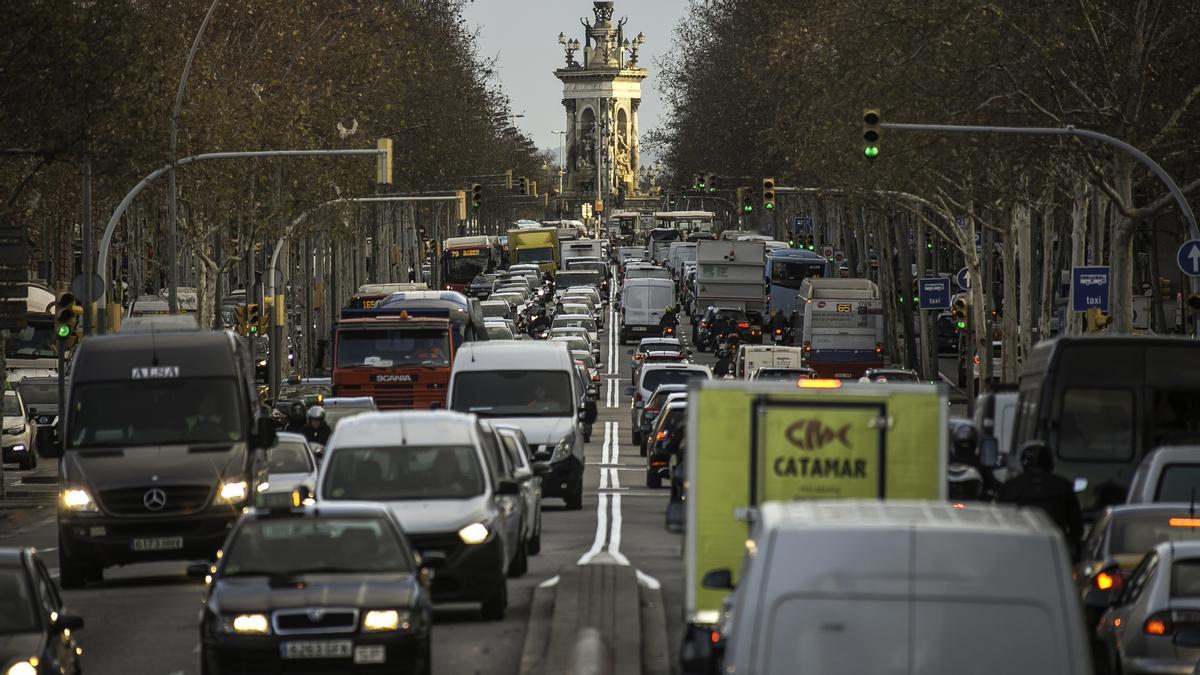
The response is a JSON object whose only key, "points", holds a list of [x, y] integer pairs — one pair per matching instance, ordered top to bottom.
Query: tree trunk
{"points": [[1079, 217], [1018, 231], [1049, 269], [1120, 285], [927, 366]]}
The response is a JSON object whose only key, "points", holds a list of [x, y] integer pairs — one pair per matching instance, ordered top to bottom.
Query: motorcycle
{"points": [[668, 331], [777, 336]]}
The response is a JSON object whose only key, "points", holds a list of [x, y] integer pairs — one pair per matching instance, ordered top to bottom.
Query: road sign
{"points": [[802, 224], [827, 251], [839, 257], [1189, 258], [963, 279], [1089, 288], [78, 289], [934, 293]]}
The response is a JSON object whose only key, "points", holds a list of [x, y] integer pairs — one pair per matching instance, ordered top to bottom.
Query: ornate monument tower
{"points": [[602, 96]]}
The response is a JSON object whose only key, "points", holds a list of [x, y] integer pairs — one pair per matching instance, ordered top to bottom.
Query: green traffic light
{"points": [[871, 151], [769, 206], [747, 208], [811, 247], [962, 325], [253, 329], [64, 331]]}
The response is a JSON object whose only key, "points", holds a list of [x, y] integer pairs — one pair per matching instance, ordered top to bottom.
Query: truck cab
{"points": [[400, 360]]}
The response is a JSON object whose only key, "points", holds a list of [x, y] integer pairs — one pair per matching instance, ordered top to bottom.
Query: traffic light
{"points": [[872, 132], [697, 182], [710, 182], [524, 185], [703, 185], [768, 193], [477, 195], [745, 202], [791, 241], [810, 243], [960, 311], [239, 319], [253, 319], [66, 321]]}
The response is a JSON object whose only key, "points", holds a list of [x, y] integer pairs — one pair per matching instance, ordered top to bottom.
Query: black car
{"points": [[481, 286], [720, 321], [947, 334], [40, 395], [301, 588], [35, 631]]}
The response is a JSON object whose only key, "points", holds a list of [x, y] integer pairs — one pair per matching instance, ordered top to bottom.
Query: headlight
{"points": [[15, 431], [563, 449], [232, 491], [77, 499], [475, 533], [382, 620], [246, 624], [23, 668]]}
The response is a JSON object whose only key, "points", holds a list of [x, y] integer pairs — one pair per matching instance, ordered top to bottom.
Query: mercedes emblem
{"points": [[154, 499], [315, 614]]}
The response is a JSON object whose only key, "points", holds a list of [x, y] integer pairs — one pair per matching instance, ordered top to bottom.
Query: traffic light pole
{"points": [[1185, 209]]}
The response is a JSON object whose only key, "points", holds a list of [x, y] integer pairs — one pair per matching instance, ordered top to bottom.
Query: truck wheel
{"points": [[70, 575], [494, 607]]}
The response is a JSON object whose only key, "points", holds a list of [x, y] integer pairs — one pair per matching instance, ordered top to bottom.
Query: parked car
{"points": [[19, 432], [658, 458], [36, 631]]}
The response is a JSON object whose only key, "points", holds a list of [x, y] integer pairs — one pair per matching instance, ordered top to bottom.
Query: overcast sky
{"points": [[523, 36]]}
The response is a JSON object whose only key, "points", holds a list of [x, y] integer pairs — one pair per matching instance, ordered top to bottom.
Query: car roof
{"points": [[564, 315], [660, 341], [513, 354], [673, 355], [115, 357], [674, 366], [404, 427], [290, 436], [1149, 508], [325, 509], [875, 515], [1181, 549]]}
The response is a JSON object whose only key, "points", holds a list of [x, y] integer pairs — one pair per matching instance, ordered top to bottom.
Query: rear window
{"points": [[653, 379], [1096, 425], [1178, 483], [1136, 534], [1185, 578]]}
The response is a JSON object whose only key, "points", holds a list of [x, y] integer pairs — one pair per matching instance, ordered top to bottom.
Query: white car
{"points": [[580, 321], [18, 433], [291, 462]]}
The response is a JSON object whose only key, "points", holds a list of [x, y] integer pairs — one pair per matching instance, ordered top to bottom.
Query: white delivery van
{"points": [[679, 253], [642, 305], [750, 358], [530, 385], [913, 588]]}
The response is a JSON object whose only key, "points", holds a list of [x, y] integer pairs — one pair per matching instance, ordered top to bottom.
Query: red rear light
{"points": [[705, 324], [743, 325], [778, 331], [808, 346], [878, 348], [975, 359], [660, 436], [1159, 624]]}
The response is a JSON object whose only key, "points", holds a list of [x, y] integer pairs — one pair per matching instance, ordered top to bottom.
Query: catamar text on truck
{"points": [[536, 245], [840, 322], [400, 351], [778, 441]]}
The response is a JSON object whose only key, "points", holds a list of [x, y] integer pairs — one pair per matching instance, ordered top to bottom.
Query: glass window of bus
{"points": [[462, 265], [792, 274], [34, 341], [1096, 425]]}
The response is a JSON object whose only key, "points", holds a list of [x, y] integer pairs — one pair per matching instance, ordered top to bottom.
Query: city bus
{"points": [[686, 222], [463, 258], [786, 271]]}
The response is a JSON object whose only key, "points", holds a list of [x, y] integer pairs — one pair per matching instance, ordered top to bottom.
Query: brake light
{"points": [[743, 325], [778, 331], [807, 346], [878, 347], [638, 357], [819, 384], [662, 435], [1184, 522], [1105, 581], [1159, 624]]}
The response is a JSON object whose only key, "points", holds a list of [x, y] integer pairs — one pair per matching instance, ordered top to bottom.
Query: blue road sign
{"points": [[802, 224], [1189, 258], [963, 279], [1089, 288], [934, 293]]}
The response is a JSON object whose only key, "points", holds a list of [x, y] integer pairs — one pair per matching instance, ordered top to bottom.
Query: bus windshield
{"points": [[463, 265], [793, 274]]}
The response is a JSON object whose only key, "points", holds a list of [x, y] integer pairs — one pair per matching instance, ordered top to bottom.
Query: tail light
{"points": [[743, 325], [779, 331], [807, 346], [878, 347], [660, 436], [1107, 581], [1161, 623]]}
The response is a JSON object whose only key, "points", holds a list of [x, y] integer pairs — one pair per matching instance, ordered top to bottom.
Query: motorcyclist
{"points": [[669, 319], [540, 322], [778, 323], [725, 353], [296, 418], [317, 430], [1037, 485]]}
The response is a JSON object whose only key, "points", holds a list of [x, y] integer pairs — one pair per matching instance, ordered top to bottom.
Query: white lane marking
{"points": [[601, 528], [614, 539], [646, 580], [549, 583]]}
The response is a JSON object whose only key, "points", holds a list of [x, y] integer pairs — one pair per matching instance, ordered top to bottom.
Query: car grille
{"points": [[179, 500], [435, 549], [315, 620]]}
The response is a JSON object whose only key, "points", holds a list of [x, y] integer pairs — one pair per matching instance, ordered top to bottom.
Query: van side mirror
{"points": [[630, 391], [718, 580]]}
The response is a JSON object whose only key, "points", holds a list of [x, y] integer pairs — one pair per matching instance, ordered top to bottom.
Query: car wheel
{"points": [[642, 450], [26, 463], [653, 479], [575, 499], [520, 565], [70, 575], [494, 607], [208, 664]]}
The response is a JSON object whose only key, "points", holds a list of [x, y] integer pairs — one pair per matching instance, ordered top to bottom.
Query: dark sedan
{"points": [[35, 630]]}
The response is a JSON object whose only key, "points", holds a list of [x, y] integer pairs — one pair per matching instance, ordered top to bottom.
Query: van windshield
{"points": [[514, 393], [155, 412]]}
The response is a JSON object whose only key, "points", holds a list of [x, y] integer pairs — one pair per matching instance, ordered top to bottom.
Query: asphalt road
{"points": [[143, 618]]}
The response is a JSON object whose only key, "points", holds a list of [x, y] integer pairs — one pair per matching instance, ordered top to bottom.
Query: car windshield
{"points": [[535, 255], [494, 309], [586, 324], [497, 332], [36, 340], [393, 347], [781, 374], [652, 379], [298, 392], [514, 393], [38, 394], [12, 407], [155, 412], [288, 457], [404, 472], [1137, 533], [327, 545], [17, 610]]}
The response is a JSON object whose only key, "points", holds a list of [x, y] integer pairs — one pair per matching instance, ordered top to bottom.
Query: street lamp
{"points": [[562, 161]]}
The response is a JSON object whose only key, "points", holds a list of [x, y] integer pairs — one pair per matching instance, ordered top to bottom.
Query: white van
{"points": [[678, 253], [642, 305], [750, 358], [530, 385], [855, 587]]}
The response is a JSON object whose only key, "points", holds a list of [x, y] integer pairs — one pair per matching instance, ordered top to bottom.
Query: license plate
{"points": [[158, 544], [318, 649], [369, 654]]}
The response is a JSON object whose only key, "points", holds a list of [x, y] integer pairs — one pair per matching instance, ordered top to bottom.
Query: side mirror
{"points": [[630, 391], [264, 433], [540, 468], [522, 475], [508, 487], [199, 570], [718, 580], [68, 622]]}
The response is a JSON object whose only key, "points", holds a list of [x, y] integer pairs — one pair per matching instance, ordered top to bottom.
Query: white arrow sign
{"points": [[1194, 256], [1188, 258]]}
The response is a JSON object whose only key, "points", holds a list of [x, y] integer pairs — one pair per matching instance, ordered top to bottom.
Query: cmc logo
{"points": [[392, 378], [813, 435]]}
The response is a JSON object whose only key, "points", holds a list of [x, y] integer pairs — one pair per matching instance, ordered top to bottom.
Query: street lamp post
{"points": [[562, 161]]}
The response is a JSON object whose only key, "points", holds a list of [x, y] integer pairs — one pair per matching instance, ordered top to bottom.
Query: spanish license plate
{"points": [[145, 544], [318, 649], [365, 654]]}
